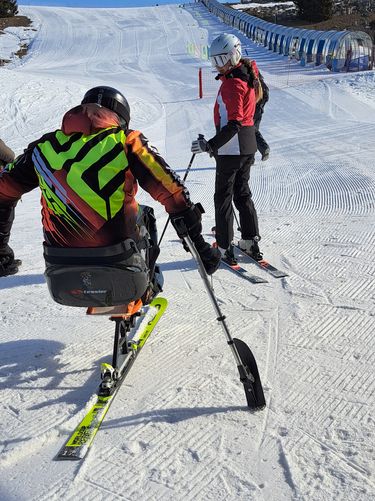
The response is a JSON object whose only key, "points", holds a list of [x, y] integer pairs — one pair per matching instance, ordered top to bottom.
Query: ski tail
{"points": [[251, 378], [80, 441]]}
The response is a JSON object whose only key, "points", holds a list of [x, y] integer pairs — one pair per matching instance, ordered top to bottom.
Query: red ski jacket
{"points": [[233, 114]]}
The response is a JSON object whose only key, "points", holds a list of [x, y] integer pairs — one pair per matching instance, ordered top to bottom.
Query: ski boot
{"points": [[266, 155], [251, 248], [228, 256], [9, 268]]}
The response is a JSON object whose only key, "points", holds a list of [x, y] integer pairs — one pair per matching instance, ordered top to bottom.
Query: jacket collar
{"points": [[88, 119]]}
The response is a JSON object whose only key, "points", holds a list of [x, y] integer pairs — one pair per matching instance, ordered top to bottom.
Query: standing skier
{"points": [[233, 147], [88, 172], [8, 265]]}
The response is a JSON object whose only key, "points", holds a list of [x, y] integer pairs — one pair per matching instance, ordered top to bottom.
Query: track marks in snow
{"points": [[300, 190], [356, 291], [46, 385], [340, 394], [179, 426], [342, 458], [161, 468], [192, 468], [335, 473]]}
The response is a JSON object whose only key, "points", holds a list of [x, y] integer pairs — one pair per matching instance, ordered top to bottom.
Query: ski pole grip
{"points": [[200, 136]]}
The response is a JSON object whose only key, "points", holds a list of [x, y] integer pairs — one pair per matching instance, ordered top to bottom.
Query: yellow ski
{"points": [[78, 444]]}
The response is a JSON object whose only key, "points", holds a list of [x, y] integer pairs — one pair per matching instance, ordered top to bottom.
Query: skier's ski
{"points": [[265, 265], [236, 268], [239, 270], [78, 444]]}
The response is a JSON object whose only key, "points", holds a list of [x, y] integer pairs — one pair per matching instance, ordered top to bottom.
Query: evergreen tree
{"points": [[8, 8], [326, 9], [314, 10], [372, 29]]}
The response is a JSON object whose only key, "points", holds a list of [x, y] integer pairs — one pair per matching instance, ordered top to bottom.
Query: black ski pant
{"points": [[262, 144], [232, 185]]}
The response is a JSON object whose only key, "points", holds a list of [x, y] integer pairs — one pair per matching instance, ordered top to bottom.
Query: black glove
{"points": [[200, 145], [192, 218], [193, 221], [210, 256], [7, 263]]}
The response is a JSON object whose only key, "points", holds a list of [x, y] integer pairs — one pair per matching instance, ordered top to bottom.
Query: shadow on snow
{"points": [[19, 280], [34, 364], [172, 415]]}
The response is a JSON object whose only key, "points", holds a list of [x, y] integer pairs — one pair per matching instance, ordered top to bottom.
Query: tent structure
{"points": [[338, 50]]}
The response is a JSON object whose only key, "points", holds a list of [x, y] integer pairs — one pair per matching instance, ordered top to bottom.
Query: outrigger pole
{"points": [[245, 360]]}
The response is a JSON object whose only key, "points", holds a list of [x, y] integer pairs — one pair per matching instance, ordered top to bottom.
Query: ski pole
{"points": [[200, 136], [184, 179], [236, 218], [245, 360]]}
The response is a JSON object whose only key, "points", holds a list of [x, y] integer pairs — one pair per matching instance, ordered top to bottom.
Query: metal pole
{"points": [[184, 179], [236, 218], [220, 316]]}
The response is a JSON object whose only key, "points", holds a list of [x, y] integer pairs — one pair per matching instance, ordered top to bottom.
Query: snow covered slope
{"points": [[179, 428]]}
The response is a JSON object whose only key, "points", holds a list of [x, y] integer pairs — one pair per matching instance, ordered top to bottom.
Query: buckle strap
{"points": [[92, 255]]}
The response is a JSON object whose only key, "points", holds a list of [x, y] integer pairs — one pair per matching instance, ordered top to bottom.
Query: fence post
{"points": [[200, 83]]}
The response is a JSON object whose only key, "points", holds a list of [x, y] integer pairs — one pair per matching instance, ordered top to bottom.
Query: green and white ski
{"points": [[79, 442]]}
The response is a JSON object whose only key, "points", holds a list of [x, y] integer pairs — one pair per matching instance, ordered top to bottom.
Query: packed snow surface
{"points": [[13, 38], [179, 428]]}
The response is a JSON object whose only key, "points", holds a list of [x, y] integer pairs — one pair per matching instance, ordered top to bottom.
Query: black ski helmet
{"points": [[109, 98]]}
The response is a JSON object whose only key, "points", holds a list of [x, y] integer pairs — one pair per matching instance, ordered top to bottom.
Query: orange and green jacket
{"points": [[88, 173]]}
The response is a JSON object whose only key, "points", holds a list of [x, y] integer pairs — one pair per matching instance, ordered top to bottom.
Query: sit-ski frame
{"points": [[123, 349]]}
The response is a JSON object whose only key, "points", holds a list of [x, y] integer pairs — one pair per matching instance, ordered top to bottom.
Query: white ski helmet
{"points": [[225, 48]]}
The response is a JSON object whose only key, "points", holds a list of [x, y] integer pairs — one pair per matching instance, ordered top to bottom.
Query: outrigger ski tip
{"points": [[125, 351]]}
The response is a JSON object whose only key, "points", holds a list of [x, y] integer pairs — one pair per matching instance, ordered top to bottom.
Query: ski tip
{"points": [[159, 302]]}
